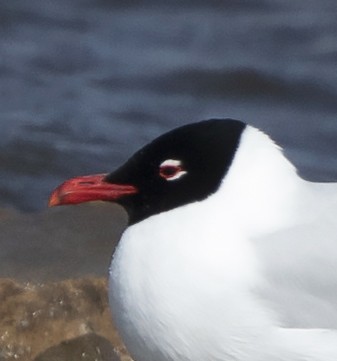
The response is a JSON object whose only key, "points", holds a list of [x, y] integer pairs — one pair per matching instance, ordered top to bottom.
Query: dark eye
{"points": [[171, 169]]}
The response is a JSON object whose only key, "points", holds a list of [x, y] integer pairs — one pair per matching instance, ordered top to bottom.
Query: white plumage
{"points": [[247, 274]]}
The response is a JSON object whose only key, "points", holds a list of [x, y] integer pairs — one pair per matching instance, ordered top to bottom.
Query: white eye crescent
{"points": [[171, 169]]}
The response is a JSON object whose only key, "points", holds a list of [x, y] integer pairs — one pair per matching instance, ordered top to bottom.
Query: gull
{"points": [[228, 255]]}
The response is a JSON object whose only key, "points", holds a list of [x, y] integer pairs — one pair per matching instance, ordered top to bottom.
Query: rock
{"points": [[37, 317], [89, 347]]}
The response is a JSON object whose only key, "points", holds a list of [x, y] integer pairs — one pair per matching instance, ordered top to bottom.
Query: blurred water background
{"points": [[85, 83]]}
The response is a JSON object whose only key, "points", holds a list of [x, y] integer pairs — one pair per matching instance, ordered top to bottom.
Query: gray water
{"points": [[85, 83]]}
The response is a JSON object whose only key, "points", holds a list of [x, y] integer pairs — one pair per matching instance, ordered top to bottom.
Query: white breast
{"points": [[178, 296]]}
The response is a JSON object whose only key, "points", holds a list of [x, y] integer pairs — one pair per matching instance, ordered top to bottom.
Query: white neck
{"points": [[262, 186]]}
